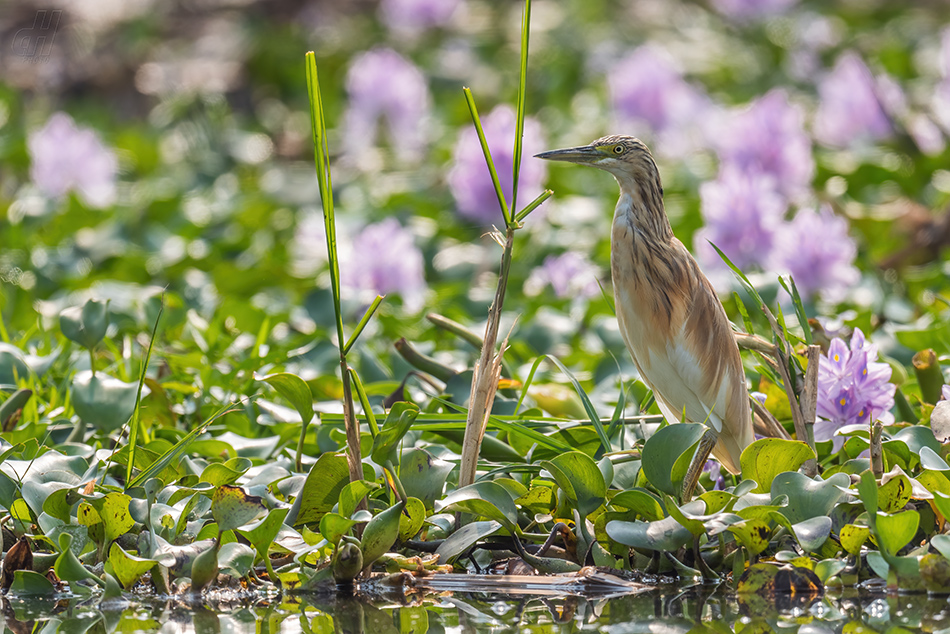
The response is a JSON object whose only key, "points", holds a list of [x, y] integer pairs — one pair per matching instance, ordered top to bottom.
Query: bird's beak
{"points": [[585, 154]]}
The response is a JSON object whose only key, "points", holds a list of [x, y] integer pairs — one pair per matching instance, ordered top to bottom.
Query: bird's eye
{"points": [[618, 149]]}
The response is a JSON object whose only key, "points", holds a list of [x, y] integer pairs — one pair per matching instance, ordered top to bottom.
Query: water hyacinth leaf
{"points": [[87, 324], [13, 365], [295, 390], [102, 400], [398, 422], [916, 437], [662, 449], [766, 458], [930, 459], [606, 467], [223, 473], [423, 475], [580, 478], [321, 489], [867, 491], [895, 491], [352, 494], [49, 497], [808, 498], [485, 499], [539, 499], [717, 501], [642, 502], [942, 502], [231, 507], [114, 512], [411, 521], [334, 526], [694, 526], [894, 531], [263, 532], [812, 533], [380, 534], [753, 534], [663, 535], [852, 537], [464, 538], [942, 544], [236, 558], [347, 563], [68, 567], [127, 568], [204, 568], [828, 568], [27, 583]]}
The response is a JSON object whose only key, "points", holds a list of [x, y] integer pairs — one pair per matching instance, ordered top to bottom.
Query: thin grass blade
{"points": [[470, 100], [519, 119], [534, 204], [792, 290], [365, 320], [364, 401], [134, 427]]}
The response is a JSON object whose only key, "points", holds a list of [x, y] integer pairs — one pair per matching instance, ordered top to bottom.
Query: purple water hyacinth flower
{"points": [[752, 9], [415, 16], [382, 84], [650, 98], [851, 109], [769, 136], [65, 157], [469, 178], [742, 212], [817, 251], [383, 259], [570, 274], [853, 388], [714, 470]]}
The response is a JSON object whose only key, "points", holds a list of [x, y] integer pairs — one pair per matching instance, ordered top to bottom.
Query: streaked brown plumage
{"points": [[670, 317]]}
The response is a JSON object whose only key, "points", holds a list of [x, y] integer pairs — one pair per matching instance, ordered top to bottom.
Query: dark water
{"points": [[658, 612]]}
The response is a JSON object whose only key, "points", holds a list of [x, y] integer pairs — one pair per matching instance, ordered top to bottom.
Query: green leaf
{"points": [[85, 325], [295, 390], [102, 400], [398, 422], [662, 449], [766, 458], [222, 473], [423, 475], [327, 477], [580, 478], [867, 491], [352, 494], [808, 498], [485, 499], [641, 501], [231, 507], [411, 521], [334, 526], [694, 526], [894, 531], [263, 532], [812, 533], [380, 534], [753, 534], [665, 535], [852, 537], [464, 538], [941, 543], [68, 567], [127, 568], [828, 568], [27, 583]]}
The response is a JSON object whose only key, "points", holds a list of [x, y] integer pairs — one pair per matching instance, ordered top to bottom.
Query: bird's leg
{"points": [[706, 444]]}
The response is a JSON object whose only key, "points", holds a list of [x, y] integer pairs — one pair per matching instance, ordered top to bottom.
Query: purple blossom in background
{"points": [[751, 9], [415, 16], [381, 83], [650, 98], [851, 109], [769, 137], [65, 157], [469, 178], [742, 212], [817, 251], [383, 259], [570, 274], [853, 388], [714, 470]]}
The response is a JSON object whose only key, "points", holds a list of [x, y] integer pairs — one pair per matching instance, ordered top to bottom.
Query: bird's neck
{"points": [[641, 206]]}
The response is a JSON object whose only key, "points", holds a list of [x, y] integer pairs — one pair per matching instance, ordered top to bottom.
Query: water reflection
{"points": [[692, 611]]}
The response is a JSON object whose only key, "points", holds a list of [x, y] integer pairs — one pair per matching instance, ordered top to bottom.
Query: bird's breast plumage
{"points": [[678, 333]]}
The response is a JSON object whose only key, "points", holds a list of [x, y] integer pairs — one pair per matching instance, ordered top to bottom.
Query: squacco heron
{"points": [[670, 317]]}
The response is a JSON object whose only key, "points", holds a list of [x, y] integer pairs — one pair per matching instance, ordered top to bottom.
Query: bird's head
{"points": [[626, 157]]}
